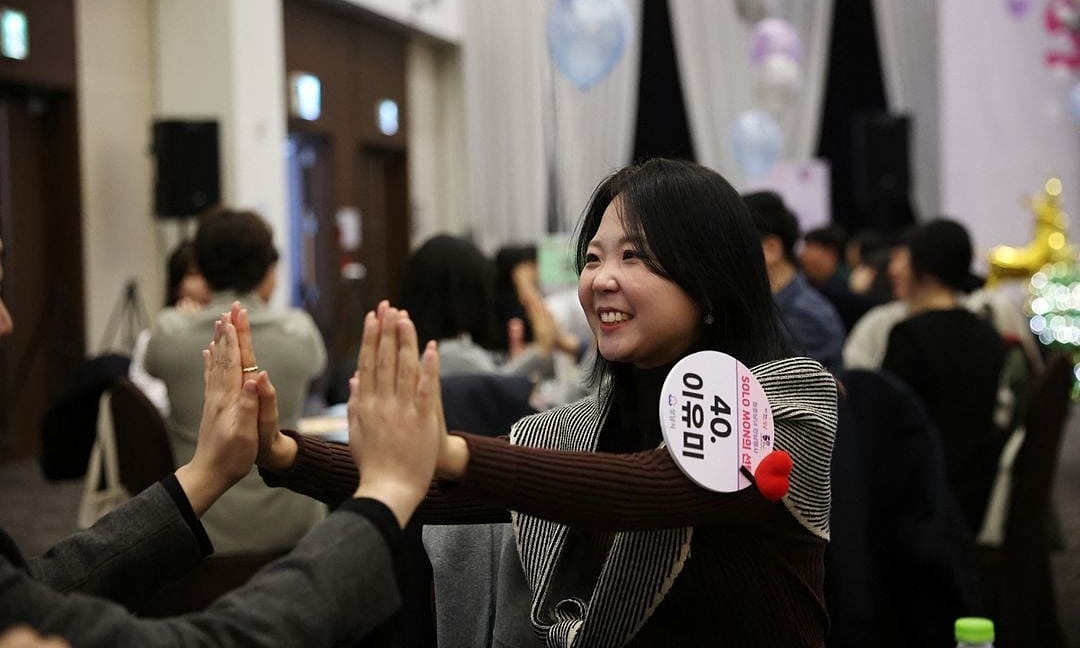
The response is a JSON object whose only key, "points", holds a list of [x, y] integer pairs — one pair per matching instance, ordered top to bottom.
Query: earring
{"points": [[709, 319]]}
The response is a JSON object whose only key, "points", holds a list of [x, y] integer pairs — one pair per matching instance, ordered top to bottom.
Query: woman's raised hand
{"points": [[395, 425], [228, 440], [276, 450]]}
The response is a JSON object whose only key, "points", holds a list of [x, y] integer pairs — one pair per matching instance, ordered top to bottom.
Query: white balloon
{"points": [[779, 81]]}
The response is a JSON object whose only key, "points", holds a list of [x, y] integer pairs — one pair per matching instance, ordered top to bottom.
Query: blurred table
{"points": [[332, 425]]}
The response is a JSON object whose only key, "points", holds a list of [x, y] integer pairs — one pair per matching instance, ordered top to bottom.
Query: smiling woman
{"points": [[688, 228], [637, 316], [617, 545]]}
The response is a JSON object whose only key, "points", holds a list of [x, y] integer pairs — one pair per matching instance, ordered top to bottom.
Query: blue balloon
{"points": [[586, 38], [756, 141]]}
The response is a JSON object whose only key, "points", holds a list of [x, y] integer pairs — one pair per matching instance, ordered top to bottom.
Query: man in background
{"points": [[812, 324]]}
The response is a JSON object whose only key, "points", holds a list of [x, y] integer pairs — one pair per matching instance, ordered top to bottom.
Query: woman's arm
{"points": [[319, 469], [326, 471], [588, 490], [594, 490], [624, 492]]}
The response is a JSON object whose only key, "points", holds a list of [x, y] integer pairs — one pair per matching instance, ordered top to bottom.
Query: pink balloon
{"points": [[774, 36]]}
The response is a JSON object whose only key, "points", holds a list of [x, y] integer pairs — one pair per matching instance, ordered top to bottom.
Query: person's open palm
{"points": [[394, 409], [227, 430], [271, 440]]}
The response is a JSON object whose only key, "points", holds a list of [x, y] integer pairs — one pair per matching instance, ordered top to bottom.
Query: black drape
{"points": [[853, 87], [854, 93], [662, 129]]}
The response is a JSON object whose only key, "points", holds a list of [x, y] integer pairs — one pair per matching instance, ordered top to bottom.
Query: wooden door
{"points": [[360, 63], [384, 203], [42, 287]]}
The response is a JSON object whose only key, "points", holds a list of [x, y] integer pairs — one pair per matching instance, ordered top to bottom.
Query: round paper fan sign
{"points": [[716, 420]]}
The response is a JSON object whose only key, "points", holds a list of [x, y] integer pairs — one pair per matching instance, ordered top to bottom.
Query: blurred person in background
{"points": [[234, 250], [185, 289], [811, 324], [950, 357]]}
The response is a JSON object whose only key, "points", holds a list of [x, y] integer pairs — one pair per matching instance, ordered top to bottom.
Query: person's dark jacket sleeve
{"points": [[127, 555], [337, 584]]}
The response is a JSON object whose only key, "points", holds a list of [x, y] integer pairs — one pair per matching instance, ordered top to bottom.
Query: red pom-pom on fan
{"points": [[772, 473]]}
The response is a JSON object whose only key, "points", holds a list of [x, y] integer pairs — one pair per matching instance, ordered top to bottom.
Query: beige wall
{"points": [[224, 60], [115, 61], [437, 173]]}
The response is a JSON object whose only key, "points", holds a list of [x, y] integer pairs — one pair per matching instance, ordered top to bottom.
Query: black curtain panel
{"points": [[853, 90], [662, 129]]}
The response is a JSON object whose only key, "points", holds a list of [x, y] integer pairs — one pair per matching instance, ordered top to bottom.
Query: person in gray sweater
{"points": [[235, 252]]}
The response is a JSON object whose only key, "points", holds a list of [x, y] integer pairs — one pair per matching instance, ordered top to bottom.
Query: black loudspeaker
{"points": [[881, 169], [188, 171]]}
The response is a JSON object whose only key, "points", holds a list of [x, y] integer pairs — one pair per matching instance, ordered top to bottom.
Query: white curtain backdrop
{"points": [[907, 32], [712, 46], [505, 64], [523, 113], [593, 131]]}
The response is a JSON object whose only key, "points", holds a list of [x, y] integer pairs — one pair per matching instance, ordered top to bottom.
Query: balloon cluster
{"points": [[586, 38], [776, 54]]}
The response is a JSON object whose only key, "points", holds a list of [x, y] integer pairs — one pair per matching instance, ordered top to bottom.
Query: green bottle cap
{"points": [[974, 630]]}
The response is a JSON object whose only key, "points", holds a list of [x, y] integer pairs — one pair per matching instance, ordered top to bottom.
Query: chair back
{"points": [[487, 404], [142, 441], [1037, 461], [900, 566], [1028, 612]]}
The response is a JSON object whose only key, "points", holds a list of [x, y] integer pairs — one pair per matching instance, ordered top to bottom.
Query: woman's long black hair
{"points": [[700, 235]]}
